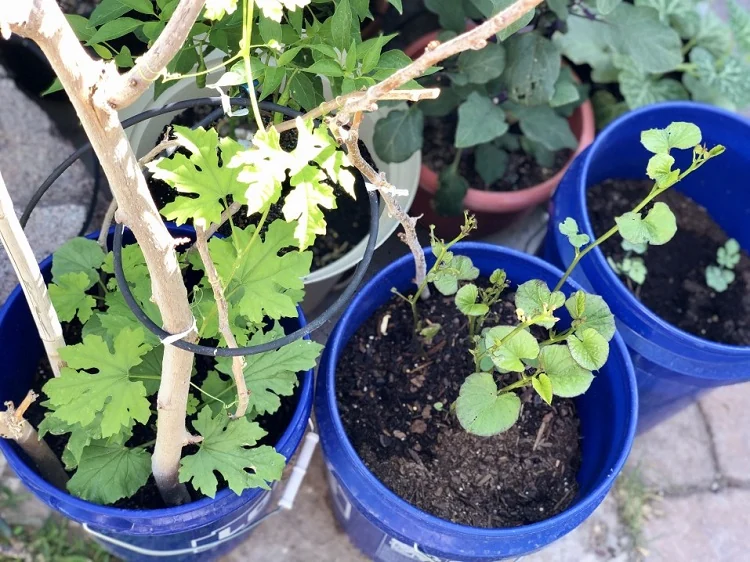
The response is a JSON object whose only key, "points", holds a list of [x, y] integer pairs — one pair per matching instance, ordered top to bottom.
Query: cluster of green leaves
{"points": [[294, 43], [658, 50], [513, 95], [631, 266], [720, 276], [560, 364], [106, 390]]}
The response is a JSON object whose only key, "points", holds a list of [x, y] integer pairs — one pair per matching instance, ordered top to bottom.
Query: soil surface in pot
{"points": [[523, 170], [346, 226], [675, 288], [387, 389], [148, 496]]}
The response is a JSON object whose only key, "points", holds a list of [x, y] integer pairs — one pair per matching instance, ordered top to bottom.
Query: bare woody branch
{"points": [[85, 81], [125, 89], [30, 277], [238, 363], [13, 426]]}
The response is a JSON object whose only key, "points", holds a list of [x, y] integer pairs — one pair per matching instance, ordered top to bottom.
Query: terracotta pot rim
{"points": [[509, 201]]}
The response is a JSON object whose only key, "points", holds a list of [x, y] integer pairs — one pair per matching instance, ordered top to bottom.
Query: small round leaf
{"points": [[589, 349], [480, 409]]}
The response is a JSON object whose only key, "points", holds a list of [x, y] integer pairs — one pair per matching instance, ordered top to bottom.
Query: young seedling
{"points": [[632, 267], [720, 276], [562, 361]]}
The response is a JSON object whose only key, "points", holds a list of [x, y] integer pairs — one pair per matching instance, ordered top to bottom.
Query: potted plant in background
{"points": [[640, 53], [297, 62], [510, 119], [685, 335], [508, 346]]}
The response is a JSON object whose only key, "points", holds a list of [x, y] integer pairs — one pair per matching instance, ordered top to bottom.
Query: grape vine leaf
{"points": [[199, 176], [303, 204], [569, 228], [657, 228], [78, 255], [256, 278], [68, 294], [466, 301], [591, 311], [589, 349], [507, 356], [273, 373], [568, 378], [76, 396], [481, 410], [228, 447], [108, 472]]}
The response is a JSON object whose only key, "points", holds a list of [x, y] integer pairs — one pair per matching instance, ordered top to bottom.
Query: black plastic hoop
{"points": [[119, 230]]}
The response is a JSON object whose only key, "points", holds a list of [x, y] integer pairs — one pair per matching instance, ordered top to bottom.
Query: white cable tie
{"points": [[168, 340]]}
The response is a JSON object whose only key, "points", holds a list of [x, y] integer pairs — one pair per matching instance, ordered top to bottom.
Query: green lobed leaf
{"points": [[739, 21], [587, 42], [483, 65], [532, 69], [640, 89], [479, 121], [398, 135], [677, 135], [490, 162], [660, 170], [199, 175], [304, 204], [569, 227], [657, 228], [78, 255], [728, 255], [634, 268], [451, 271], [257, 278], [718, 278], [69, 297], [535, 299], [466, 301], [591, 311], [589, 349], [507, 356], [273, 373], [568, 378], [543, 386], [76, 396], [481, 411], [229, 448], [109, 472]]}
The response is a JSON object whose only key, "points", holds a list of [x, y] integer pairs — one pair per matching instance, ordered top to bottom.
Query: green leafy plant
{"points": [[289, 50], [650, 50], [512, 96], [631, 266], [720, 276], [553, 358], [104, 393]]}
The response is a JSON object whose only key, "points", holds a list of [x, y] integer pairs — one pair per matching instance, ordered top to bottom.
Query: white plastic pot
{"points": [[145, 135]]}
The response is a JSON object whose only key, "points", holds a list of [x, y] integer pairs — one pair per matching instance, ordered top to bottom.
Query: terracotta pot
{"points": [[494, 209]]}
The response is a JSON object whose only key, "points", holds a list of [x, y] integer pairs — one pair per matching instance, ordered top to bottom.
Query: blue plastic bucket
{"points": [[672, 367], [389, 529], [198, 531]]}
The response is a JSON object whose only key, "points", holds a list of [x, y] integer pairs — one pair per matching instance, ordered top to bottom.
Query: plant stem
{"points": [[247, 29], [655, 192], [525, 381]]}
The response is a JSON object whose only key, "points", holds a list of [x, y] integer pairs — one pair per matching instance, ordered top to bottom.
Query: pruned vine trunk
{"points": [[91, 85]]}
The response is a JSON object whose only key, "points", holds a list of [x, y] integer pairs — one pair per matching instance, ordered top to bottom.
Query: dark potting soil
{"points": [[523, 170], [346, 226], [675, 288], [387, 388], [148, 496]]}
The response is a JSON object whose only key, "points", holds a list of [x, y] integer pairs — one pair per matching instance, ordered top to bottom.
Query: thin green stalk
{"points": [[246, 36], [655, 192], [518, 384]]}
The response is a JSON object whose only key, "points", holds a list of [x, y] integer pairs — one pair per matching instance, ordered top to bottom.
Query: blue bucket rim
{"points": [[683, 337], [329, 364], [18, 464]]}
